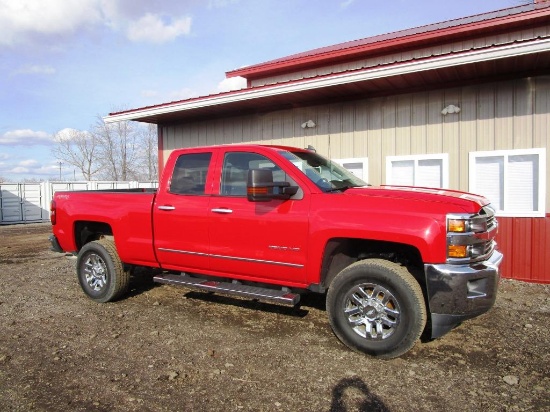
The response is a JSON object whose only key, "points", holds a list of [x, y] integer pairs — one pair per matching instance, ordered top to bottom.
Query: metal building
{"points": [[463, 104]]}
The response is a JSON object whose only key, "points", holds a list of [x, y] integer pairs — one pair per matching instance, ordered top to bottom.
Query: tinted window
{"points": [[235, 171], [189, 177]]}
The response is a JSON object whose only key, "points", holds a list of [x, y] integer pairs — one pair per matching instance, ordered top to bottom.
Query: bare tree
{"points": [[79, 149], [118, 149], [148, 153]]}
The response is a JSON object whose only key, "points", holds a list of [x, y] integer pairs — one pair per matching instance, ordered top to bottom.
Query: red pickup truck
{"points": [[272, 223]]}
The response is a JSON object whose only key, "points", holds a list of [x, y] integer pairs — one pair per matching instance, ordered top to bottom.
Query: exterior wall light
{"points": [[450, 109], [309, 124]]}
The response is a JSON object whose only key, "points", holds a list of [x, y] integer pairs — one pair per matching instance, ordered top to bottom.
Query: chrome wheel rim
{"points": [[95, 272], [372, 311]]}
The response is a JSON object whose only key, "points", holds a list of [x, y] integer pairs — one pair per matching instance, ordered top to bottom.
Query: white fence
{"points": [[30, 202]]}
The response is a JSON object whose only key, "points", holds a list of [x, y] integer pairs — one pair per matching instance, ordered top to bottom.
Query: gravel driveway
{"points": [[167, 348]]}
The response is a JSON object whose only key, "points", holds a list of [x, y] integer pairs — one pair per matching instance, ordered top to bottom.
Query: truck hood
{"points": [[468, 201]]}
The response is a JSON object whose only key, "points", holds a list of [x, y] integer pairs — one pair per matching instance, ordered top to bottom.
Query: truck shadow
{"points": [[141, 280], [249, 304], [352, 394]]}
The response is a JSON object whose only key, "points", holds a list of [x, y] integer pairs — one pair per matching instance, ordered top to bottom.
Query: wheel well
{"points": [[86, 232], [341, 252]]}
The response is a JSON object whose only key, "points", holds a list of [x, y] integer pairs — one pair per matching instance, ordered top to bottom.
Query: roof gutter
{"points": [[432, 63]]}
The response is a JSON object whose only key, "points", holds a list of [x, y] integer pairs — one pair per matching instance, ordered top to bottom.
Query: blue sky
{"points": [[63, 63]]}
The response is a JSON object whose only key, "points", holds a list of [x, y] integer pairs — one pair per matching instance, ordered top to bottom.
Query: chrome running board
{"points": [[233, 289]]}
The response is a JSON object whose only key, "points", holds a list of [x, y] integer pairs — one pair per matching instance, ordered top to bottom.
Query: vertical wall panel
{"points": [[523, 114], [349, 116], [419, 117], [504, 122], [403, 125], [388, 126], [361, 127], [434, 132], [485, 133], [467, 134], [318, 136], [451, 137], [336, 142], [374, 143], [524, 243], [540, 257]]}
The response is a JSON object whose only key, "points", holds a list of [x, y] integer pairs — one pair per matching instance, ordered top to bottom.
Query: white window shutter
{"points": [[402, 173], [429, 173], [489, 179], [522, 181]]}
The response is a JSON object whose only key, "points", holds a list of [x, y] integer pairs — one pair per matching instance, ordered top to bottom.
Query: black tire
{"points": [[100, 272], [376, 307]]}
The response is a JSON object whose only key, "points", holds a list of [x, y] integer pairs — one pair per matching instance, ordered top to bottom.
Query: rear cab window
{"points": [[190, 173]]}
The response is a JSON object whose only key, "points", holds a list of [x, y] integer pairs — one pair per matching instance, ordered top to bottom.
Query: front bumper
{"points": [[460, 292]]}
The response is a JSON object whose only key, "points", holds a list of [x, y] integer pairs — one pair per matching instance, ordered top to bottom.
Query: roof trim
{"points": [[396, 40], [438, 62]]}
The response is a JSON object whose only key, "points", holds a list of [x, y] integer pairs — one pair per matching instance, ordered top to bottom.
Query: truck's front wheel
{"points": [[100, 272], [376, 307]]}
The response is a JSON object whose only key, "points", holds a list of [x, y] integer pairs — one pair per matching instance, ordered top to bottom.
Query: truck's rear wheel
{"points": [[100, 272], [376, 307]]}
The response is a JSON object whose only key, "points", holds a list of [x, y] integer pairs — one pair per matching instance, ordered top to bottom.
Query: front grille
{"points": [[489, 213]]}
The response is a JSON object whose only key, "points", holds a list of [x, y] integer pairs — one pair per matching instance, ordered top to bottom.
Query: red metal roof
{"points": [[466, 27], [471, 67]]}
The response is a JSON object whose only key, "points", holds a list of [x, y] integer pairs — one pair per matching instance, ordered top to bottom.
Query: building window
{"points": [[357, 165], [419, 170], [513, 180]]}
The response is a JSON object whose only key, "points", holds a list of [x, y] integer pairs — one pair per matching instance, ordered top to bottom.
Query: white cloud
{"points": [[22, 18], [21, 21], [152, 28], [36, 69], [232, 83], [25, 137], [28, 163], [29, 169], [19, 170]]}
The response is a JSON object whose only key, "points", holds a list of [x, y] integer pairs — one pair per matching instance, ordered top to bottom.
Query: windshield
{"points": [[327, 175]]}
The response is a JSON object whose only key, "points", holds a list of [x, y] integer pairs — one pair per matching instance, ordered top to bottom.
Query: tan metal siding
{"points": [[418, 123], [485, 125], [541, 132], [467, 135], [451, 136], [374, 138], [434, 142]]}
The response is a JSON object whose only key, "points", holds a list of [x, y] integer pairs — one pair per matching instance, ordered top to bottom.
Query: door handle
{"points": [[167, 208], [222, 211]]}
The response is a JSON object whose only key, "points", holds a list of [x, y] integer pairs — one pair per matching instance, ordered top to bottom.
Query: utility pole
{"points": [[60, 170]]}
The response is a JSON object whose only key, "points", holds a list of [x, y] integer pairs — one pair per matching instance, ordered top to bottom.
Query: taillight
{"points": [[53, 216]]}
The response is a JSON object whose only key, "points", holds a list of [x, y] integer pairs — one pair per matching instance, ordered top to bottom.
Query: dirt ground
{"points": [[164, 348]]}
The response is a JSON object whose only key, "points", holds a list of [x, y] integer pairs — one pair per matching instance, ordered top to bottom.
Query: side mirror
{"points": [[261, 187]]}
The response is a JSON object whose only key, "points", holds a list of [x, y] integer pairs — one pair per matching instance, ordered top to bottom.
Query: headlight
{"points": [[456, 225], [470, 237]]}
